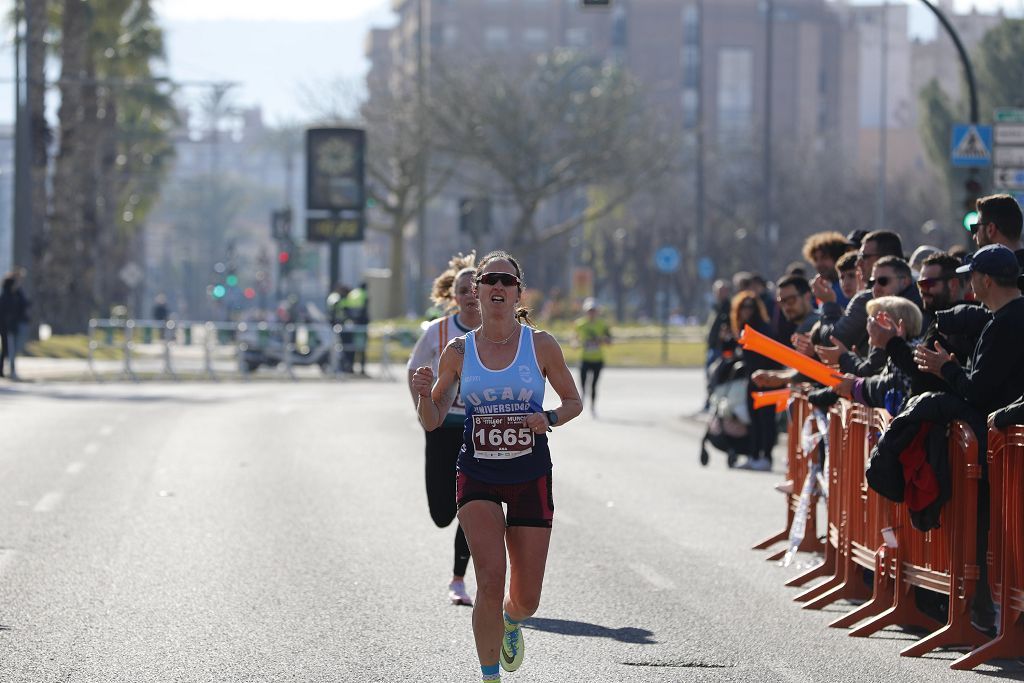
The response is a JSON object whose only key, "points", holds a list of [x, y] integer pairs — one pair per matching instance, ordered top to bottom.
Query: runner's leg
{"points": [[593, 383], [484, 524], [528, 556]]}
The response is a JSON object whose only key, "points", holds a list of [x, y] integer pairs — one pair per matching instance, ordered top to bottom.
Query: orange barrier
{"points": [[754, 341], [778, 398], [837, 432], [797, 466], [852, 528], [1006, 546], [943, 560]]}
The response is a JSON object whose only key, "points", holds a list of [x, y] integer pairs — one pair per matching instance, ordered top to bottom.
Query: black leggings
{"points": [[586, 368], [442, 452]]}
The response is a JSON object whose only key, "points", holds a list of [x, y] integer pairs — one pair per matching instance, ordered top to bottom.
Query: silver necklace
{"points": [[480, 331]]}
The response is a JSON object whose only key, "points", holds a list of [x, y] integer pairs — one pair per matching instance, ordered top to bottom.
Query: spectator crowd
{"points": [[937, 326]]}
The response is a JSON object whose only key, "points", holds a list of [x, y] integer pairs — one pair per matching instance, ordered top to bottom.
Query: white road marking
{"points": [[106, 430], [91, 448], [75, 468], [48, 502], [652, 577]]}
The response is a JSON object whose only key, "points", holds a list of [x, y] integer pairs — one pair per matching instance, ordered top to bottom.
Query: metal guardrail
{"points": [[240, 347]]}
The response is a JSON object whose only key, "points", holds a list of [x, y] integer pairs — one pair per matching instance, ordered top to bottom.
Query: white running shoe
{"points": [[458, 595]]}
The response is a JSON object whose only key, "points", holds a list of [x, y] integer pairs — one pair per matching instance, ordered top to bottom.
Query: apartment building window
{"points": [[691, 25], [451, 34], [495, 37], [535, 37], [577, 37], [691, 66], [735, 91], [691, 107]]}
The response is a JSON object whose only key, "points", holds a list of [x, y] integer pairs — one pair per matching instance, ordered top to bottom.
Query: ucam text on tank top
{"points": [[498, 402]]}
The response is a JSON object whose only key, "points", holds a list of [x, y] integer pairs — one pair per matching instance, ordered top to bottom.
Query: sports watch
{"points": [[552, 417]]}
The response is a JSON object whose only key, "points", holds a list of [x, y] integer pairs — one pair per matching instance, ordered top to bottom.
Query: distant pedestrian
{"points": [[14, 307], [160, 311], [593, 334]]}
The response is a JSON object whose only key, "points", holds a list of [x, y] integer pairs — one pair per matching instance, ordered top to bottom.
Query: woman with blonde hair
{"points": [[453, 293], [888, 317]]}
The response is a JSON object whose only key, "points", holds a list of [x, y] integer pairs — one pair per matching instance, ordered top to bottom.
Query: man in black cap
{"points": [[997, 365]]}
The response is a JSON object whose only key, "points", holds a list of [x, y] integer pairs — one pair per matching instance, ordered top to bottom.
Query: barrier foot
{"points": [[771, 540], [777, 555], [826, 568], [851, 589], [819, 590], [872, 607], [897, 615], [959, 632], [1007, 645]]}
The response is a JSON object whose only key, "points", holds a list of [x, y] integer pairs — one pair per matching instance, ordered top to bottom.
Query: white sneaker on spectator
{"points": [[760, 465]]}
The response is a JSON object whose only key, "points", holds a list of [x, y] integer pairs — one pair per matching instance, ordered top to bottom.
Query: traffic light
{"points": [[972, 192], [283, 257], [232, 280], [219, 291]]}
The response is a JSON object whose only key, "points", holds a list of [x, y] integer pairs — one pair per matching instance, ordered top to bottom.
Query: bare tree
{"points": [[564, 123]]}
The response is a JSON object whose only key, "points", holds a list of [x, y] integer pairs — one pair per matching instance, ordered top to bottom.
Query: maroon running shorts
{"points": [[529, 503]]}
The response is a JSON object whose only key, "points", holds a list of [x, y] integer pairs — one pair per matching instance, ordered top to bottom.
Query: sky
{"points": [[278, 50]]}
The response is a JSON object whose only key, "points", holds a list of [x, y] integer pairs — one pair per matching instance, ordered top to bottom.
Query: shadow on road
{"points": [[626, 634]]}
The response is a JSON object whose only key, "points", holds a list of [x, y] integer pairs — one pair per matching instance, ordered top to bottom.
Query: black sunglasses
{"points": [[491, 279], [883, 280]]}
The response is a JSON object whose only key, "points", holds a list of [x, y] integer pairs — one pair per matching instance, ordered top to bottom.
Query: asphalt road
{"points": [[278, 531]]}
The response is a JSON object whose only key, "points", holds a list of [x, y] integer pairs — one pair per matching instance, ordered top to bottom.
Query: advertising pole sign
{"points": [[335, 189]]}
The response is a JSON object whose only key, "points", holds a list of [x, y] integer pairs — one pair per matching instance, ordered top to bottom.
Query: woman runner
{"points": [[452, 288], [498, 370]]}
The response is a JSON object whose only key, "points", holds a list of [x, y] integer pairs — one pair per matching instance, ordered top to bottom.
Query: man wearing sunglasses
{"points": [[999, 222], [942, 291], [849, 326], [997, 365]]}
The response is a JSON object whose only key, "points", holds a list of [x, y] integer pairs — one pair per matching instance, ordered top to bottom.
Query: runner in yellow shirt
{"points": [[593, 334]]}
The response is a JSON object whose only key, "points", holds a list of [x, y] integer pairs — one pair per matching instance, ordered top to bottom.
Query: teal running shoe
{"points": [[513, 649]]}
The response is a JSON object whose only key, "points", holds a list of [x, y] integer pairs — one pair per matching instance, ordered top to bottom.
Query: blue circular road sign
{"points": [[667, 259], [705, 268]]}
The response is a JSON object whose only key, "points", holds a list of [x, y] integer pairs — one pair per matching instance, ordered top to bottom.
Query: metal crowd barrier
{"points": [[235, 348]]}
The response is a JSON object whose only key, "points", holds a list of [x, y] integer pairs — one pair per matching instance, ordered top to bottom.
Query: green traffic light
{"points": [[970, 218], [232, 280], [219, 291]]}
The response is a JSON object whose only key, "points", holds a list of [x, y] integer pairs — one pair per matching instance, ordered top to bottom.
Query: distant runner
{"points": [[452, 288], [593, 334], [501, 367]]}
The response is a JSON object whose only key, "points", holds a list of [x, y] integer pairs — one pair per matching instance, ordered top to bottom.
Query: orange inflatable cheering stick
{"points": [[753, 340], [777, 398]]}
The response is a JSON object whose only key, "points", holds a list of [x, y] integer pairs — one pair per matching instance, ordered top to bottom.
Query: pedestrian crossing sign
{"points": [[972, 146]]}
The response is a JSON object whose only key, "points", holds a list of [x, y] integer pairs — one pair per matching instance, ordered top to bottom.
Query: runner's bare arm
{"points": [[552, 364], [434, 407]]}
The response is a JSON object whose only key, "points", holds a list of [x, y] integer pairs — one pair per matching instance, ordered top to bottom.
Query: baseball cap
{"points": [[993, 259], [589, 304]]}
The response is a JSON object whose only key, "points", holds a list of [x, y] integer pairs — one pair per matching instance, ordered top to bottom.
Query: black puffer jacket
{"points": [[885, 471]]}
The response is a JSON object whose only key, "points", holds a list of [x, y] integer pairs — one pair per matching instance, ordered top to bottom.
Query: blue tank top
{"points": [[498, 447]]}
